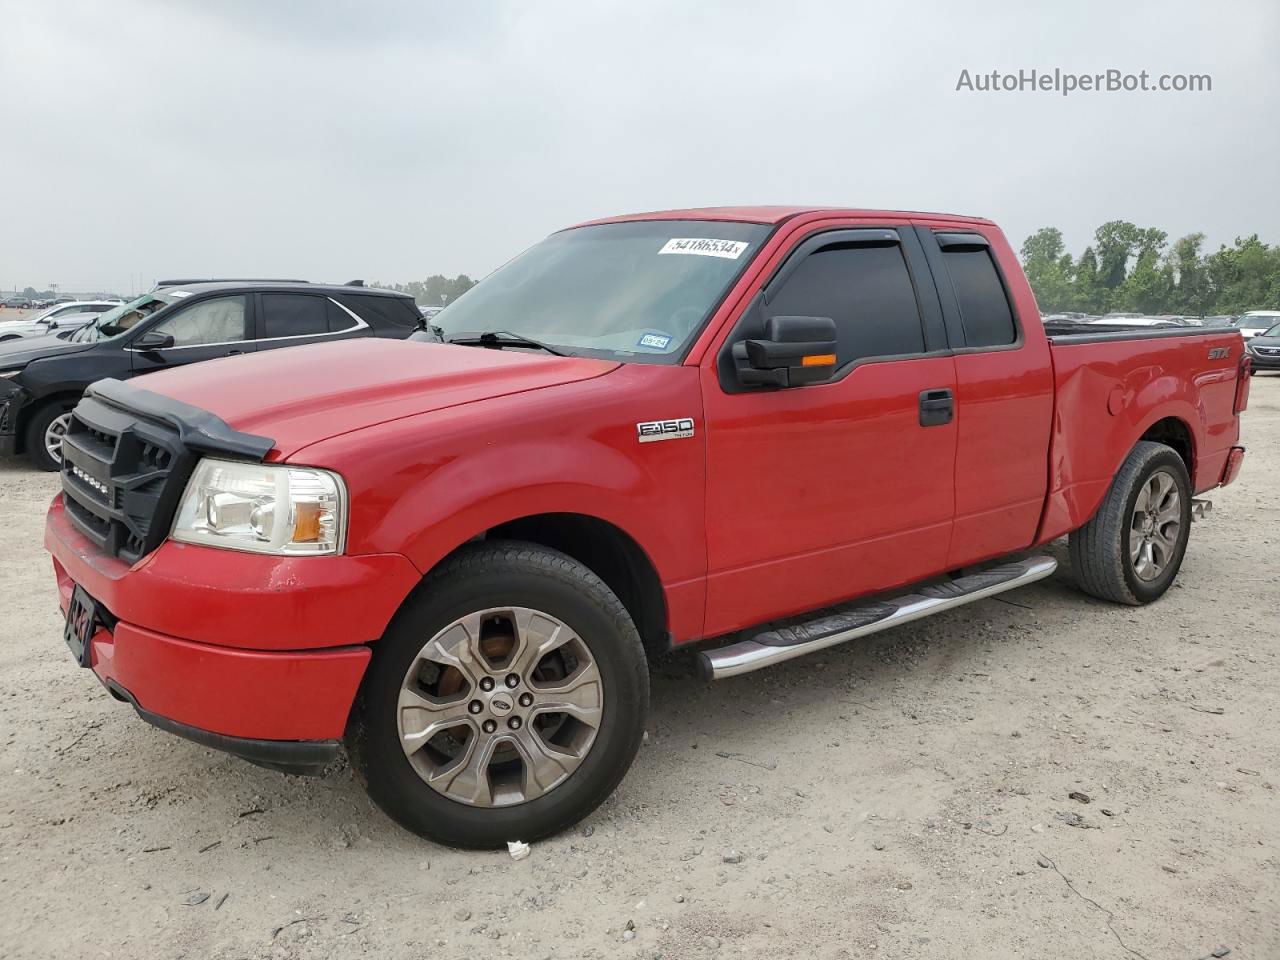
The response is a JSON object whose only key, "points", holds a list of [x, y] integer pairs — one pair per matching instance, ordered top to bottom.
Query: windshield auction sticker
{"points": [[728, 249]]}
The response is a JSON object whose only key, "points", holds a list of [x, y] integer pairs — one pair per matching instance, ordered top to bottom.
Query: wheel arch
{"points": [[29, 410], [1176, 433], [608, 551]]}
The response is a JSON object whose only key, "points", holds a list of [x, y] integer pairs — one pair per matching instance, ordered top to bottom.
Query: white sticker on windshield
{"points": [[728, 249]]}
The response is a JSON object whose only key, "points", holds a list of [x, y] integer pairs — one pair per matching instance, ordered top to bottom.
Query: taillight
{"points": [[1242, 383]]}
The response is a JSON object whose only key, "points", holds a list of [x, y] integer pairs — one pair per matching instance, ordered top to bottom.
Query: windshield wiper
{"points": [[504, 338]]}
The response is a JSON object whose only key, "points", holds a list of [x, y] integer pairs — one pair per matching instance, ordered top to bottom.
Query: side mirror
{"points": [[154, 341], [794, 351]]}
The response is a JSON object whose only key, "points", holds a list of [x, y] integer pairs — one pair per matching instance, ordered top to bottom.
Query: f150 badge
{"points": [[652, 430]]}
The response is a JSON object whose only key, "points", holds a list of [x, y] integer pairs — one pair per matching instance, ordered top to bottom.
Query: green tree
{"points": [[1114, 244], [1049, 269], [1149, 286], [436, 290], [1191, 294], [1087, 295]]}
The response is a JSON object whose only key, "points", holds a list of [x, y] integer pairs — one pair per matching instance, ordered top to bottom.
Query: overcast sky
{"points": [[390, 141]]}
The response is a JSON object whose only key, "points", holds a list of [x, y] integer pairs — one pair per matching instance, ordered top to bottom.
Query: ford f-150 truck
{"points": [[454, 553]]}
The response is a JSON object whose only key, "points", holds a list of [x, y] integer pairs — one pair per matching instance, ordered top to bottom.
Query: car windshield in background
{"points": [[636, 291], [122, 319], [1255, 323]]}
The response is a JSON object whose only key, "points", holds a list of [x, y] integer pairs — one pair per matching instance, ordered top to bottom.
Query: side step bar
{"points": [[787, 643]]}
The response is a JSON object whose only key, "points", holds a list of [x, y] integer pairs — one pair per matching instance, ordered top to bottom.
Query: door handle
{"points": [[233, 353], [937, 407]]}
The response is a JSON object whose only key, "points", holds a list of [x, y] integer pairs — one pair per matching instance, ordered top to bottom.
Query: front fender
{"points": [[431, 482]]}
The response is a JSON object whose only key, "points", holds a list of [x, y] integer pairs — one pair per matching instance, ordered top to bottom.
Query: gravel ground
{"points": [[907, 797]]}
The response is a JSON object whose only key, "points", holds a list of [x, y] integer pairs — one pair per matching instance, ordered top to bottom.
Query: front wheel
{"points": [[45, 431], [1131, 550], [506, 701]]}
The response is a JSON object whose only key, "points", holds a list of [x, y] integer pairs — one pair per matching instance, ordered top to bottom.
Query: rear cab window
{"points": [[985, 314]]}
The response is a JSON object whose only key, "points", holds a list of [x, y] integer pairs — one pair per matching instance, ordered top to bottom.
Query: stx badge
{"points": [[1219, 353], [653, 430]]}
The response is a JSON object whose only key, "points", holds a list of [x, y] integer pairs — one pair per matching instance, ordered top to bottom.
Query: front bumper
{"points": [[1265, 361], [12, 400], [260, 656], [304, 758]]}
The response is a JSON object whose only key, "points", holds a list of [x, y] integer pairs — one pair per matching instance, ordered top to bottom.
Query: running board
{"points": [[787, 643]]}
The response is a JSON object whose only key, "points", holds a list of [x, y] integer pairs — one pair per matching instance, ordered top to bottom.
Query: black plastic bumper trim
{"points": [[198, 429], [303, 758]]}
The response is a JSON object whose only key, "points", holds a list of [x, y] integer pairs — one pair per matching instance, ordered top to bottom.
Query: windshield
{"points": [[637, 291], [122, 319], [1256, 323], [1273, 331]]}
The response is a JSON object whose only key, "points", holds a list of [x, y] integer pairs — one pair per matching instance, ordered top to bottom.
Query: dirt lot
{"points": [[906, 797]]}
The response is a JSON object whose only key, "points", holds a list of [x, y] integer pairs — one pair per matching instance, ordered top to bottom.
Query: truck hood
{"points": [[18, 353], [301, 395]]}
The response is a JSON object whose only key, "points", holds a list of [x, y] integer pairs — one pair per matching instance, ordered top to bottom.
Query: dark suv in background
{"points": [[42, 378]]}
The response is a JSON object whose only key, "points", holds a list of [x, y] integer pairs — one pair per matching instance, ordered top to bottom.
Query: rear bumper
{"points": [[1235, 461], [238, 652]]}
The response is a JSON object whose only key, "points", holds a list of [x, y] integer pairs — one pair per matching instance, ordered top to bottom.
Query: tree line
{"points": [[1135, 269], [437, 290]]}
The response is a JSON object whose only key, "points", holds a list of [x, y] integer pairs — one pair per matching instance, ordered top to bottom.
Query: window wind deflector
{"points": [[854, 236], [961, 241]]}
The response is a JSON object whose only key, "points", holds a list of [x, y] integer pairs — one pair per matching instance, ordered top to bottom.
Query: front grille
{"points": [[1268, 351], [122, 476]]}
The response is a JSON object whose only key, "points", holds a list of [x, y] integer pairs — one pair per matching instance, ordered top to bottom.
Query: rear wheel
{"points": [[45, 431], [1131, 550], [506, 701]]}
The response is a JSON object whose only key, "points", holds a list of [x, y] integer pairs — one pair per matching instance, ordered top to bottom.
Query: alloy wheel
{"points": [[53, 435], [1155, 526], [500, 707]]}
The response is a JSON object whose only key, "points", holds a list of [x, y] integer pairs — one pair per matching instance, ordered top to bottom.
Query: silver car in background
{"points": [[58, 319]]}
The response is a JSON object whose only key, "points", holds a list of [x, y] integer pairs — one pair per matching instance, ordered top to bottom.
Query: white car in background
{"points": [[56, 319], [1138, 320], [1256, 322]]}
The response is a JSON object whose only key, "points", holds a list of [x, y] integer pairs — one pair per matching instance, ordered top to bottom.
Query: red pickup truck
{"points": [[454, 553]]}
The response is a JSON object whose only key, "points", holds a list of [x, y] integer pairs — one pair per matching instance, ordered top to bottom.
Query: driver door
{"points": [[219, 326], [824, 492]]}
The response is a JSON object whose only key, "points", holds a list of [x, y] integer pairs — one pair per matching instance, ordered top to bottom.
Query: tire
{"points": [[38, 426], [1103, 550], [493, 577]]}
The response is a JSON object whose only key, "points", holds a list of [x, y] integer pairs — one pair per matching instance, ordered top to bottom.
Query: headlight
{"points": [[10, 374], [263, 508]]}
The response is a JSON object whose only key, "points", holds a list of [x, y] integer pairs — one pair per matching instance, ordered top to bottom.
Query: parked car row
{"points": [[1249, 323], [45, 366]]}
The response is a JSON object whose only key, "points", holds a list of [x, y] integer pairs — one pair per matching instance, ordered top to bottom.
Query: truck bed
{"points": [[1117, 383]]}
